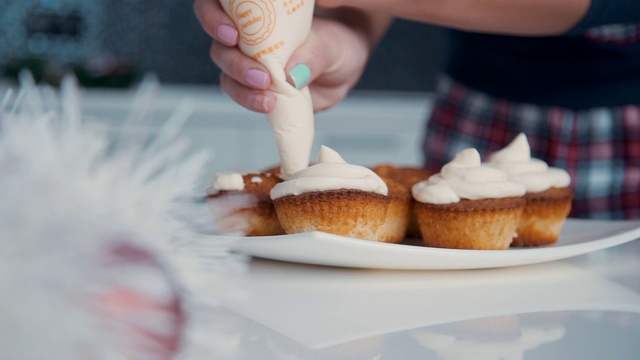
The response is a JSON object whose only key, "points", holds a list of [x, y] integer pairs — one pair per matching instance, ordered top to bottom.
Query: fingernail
{"points": [[227, 34], [300, 75], [257, 78], [259, 102]]}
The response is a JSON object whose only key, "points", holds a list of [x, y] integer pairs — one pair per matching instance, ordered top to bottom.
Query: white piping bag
{"points": [[269, 31]]}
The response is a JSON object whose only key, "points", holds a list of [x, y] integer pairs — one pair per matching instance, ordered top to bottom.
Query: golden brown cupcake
{"points": [[407, 176], [548, 194], [334, 197], [241, 203], [468, 206], [346, 212], [543, 217], [396, 223], [488, 224]]}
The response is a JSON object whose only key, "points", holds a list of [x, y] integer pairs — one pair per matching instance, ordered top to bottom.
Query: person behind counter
{"points": [[566, 73]]}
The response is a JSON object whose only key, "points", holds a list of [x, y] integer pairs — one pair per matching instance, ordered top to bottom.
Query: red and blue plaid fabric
{"points": [[619, 34], [600, 147]]}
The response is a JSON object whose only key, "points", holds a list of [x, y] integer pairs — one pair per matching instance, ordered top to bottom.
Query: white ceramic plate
{"points": [[578, 237]]}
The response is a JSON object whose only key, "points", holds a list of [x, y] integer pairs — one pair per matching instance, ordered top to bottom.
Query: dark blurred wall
{"points": [[163, 36], [407, 59]]}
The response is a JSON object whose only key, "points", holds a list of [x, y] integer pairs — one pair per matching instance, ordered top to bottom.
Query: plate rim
{"points": [[243, 244]]}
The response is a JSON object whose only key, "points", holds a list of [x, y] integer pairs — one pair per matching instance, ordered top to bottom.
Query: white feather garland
{"points": [[74, 202]]}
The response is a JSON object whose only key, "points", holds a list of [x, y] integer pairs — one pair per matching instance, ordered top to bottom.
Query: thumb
{"points": [[308, 62]]}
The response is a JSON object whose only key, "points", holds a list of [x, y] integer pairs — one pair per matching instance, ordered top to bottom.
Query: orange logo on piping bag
{"points": [[293, 6], [255, 19], [268, 50]]}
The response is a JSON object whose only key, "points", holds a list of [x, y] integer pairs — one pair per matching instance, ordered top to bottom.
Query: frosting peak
{"points": [[517, 151], [328, 155], [465, 158], [516, 161], [466, 166], [331, 173], [466, 178]]}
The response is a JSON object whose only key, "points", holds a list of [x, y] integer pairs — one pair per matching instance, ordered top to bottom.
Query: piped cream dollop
{"points": [[269, 32], [516, 161], [331, 172], [466, 178], [228, 181]]}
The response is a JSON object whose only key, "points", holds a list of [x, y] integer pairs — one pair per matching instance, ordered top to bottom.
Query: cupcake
{"points": [[406, 176], [548, 194], [334, 197], [240, 203], [468, 205], [396, 223]]}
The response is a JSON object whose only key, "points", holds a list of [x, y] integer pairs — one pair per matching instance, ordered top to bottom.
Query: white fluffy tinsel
{"points": [[68, 191]]}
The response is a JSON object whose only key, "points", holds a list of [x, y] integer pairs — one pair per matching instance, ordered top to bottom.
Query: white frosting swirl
{"points": [[515, 160], [331, 173], [466, 178], [228, 181]]}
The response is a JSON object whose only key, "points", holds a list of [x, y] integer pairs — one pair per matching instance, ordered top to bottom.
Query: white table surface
{"points": [[585, 307]]}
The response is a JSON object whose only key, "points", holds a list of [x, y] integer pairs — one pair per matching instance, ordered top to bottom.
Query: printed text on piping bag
{"points": [[269, 32]]}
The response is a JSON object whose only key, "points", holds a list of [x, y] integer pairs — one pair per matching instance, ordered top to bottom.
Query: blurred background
{"points": [[111, 45]]}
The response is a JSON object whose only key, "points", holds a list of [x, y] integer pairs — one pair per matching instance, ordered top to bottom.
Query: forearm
{"points": [[514, 17]]}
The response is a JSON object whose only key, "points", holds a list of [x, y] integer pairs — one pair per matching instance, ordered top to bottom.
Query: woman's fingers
{"points": [[215, 21], [309, 61], [330, 61], [310, 65], [240, 67], [245, 80], [256, 100]]}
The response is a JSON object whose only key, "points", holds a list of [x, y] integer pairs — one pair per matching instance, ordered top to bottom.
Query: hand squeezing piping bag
{"points": [[270, 30]]}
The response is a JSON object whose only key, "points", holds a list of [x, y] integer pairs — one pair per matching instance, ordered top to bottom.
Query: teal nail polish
{"points": [[300, 75]]}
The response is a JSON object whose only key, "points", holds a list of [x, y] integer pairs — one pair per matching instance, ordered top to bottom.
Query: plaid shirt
{"points": [[600, 147]]}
